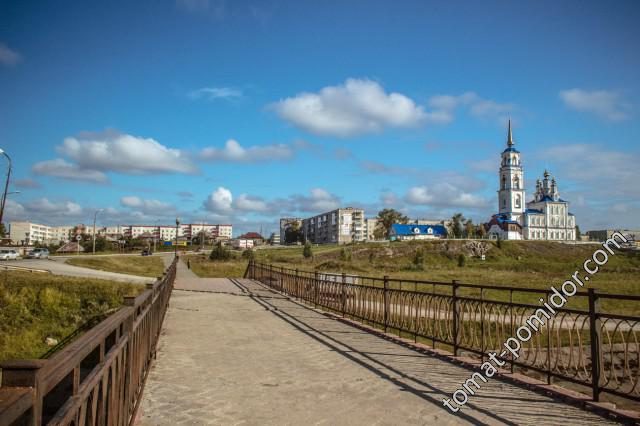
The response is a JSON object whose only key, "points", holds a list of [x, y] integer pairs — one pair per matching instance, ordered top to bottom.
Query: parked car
{"points": [[146, 252], [38, 253], [9, 255]]}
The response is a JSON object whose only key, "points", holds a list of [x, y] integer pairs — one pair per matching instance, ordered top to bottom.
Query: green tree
{"points": [[386, 218], [456, 225], [469, 229], [3, 230], [481, 232], [293, 233], [578, 234], [101, 244], [307, 252], [220, 253], [248, 254], [345, 254], [462, 259]]}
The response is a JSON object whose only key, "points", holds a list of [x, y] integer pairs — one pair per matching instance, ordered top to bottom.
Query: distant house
{"points": [[402, 232], [253, 236], [242, 243]]}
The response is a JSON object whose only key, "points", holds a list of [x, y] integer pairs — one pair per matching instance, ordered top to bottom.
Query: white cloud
{"points": [[8, 57], [212, 93], [605, 103], [477, 106], [356, 107], [116, 152], [234, 152], [61, 169], [443, 195], [319, 200], [219, 201], [250, 203], [146, 206], [62, 208]]}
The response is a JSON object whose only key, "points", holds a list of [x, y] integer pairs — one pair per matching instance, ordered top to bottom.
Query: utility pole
{"points": [[6, 184], [94, 229], [175, 251]]}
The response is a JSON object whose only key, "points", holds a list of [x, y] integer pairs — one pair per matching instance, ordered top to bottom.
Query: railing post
{"points": [[270, 275], [282, 279], [316, 283], [297, 285], [343, 293], [386, 302], [454, 303], [595, 342], [25, 373]]}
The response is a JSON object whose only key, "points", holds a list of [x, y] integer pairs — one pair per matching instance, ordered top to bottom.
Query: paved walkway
{"points": [[235, 353]]}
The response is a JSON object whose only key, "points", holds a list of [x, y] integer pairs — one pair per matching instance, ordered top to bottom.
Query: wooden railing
{"points": [[97, 379]]}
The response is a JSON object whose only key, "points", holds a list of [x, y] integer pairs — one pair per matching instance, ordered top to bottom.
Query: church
{"points": [[546, 217]]}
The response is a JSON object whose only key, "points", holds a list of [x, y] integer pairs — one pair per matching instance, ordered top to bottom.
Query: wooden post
{"points": [[386, 302], [26, 373]]}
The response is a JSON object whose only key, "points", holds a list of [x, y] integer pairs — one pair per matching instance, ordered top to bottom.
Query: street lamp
{"points": [[6, 185], [94, 229], [175, 252]]}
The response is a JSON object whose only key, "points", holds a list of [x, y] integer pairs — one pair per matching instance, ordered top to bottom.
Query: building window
{"points": [[504, 182], [517, 201]]}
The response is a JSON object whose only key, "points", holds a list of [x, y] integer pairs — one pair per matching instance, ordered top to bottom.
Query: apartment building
{"points": [[339, 226], [370, 227], [168, 232], [27, 233]]}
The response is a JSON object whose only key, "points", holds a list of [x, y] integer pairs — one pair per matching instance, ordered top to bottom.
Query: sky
{"points": [[243, 112]]}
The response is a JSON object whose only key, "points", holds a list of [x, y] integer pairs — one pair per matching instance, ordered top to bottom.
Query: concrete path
{"points": [[61, 268], [236, 353]]}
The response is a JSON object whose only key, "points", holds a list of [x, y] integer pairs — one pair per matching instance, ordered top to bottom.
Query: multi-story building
{"points": [[339, 226], [370, 228], [22, 232], [168, 232]]}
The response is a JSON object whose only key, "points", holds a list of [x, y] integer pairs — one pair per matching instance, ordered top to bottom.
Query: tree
{"points": [[386, 218], [456, 225], [469, 229], [3, 230], [481, 231], [578, 232], [293, 233], [101, 244], [307, 252], [220, 253], [248, 254], [345, 254], [418, 257], [462, 259]]}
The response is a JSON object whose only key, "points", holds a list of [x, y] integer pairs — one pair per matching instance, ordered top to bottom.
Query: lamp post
{"points": [[6, 184], [94, 229], [175, 252]]}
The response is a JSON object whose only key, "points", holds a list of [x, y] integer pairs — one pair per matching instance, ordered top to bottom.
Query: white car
{"points": [[38, 253], [9, 255]]}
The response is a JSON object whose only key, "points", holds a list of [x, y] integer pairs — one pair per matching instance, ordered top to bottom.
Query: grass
{"points": [[512, 264], [144, 266], [203, 267], [36, 306]]}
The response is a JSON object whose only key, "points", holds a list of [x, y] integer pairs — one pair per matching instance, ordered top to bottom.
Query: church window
{"points": [[504, 182], [516, 182], [517, 201], [504, 203]]}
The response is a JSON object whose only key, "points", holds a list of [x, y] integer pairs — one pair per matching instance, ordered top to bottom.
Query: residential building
{"points": [[546, 217], [287, 222], [339, 226], [370, 228], [22, 232], [404, 232], [604, 234], [274, 239], [242, 243]]}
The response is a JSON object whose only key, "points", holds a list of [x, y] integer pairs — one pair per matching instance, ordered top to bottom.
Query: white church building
{"points": [[546, 217]]}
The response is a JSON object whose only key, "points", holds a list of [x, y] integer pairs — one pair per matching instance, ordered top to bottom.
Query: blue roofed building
{"points": [[546, 217], [404, 232]]}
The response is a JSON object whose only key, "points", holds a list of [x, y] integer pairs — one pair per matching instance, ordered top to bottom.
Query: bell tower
{"points": [[511, 181]]}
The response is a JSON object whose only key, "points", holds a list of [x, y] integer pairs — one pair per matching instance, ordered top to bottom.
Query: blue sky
{"points": [[243, 112]]}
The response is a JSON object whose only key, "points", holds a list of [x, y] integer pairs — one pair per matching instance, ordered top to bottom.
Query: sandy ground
{"points": [[239, 354]]}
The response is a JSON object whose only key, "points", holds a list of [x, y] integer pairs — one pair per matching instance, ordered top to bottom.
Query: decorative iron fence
{"points": [[478, 319], [98, 378]]}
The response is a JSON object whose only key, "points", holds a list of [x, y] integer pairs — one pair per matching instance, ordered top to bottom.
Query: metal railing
{"points": [[478, 319], [98, 378]]}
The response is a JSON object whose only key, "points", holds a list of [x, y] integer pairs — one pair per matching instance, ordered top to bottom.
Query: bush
{"points": [[499, 243], [307, 252], [220, 253], [248, 254], [345, 254], [418, 257], [462, 259]]}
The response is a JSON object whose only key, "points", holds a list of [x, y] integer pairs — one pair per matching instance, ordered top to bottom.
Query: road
{"points": [[58, 267], [236, 353]]}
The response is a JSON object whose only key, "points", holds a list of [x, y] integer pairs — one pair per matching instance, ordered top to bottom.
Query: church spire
{"points": [[509, 135]]}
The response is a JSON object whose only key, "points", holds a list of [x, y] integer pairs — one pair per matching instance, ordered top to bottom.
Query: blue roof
{"points": [[511, 149], [547, 198], [533, 211], [502, 218], [402, 229]]}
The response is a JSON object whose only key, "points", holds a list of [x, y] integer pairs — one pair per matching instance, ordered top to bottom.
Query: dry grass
{"points": [[144, 266]]}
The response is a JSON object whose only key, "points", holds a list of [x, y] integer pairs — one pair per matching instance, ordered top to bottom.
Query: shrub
{"points": [[499, 243], [307, 252], [220, 253], [248, 254], [345, 254], [418, 257], [462, 259]]}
